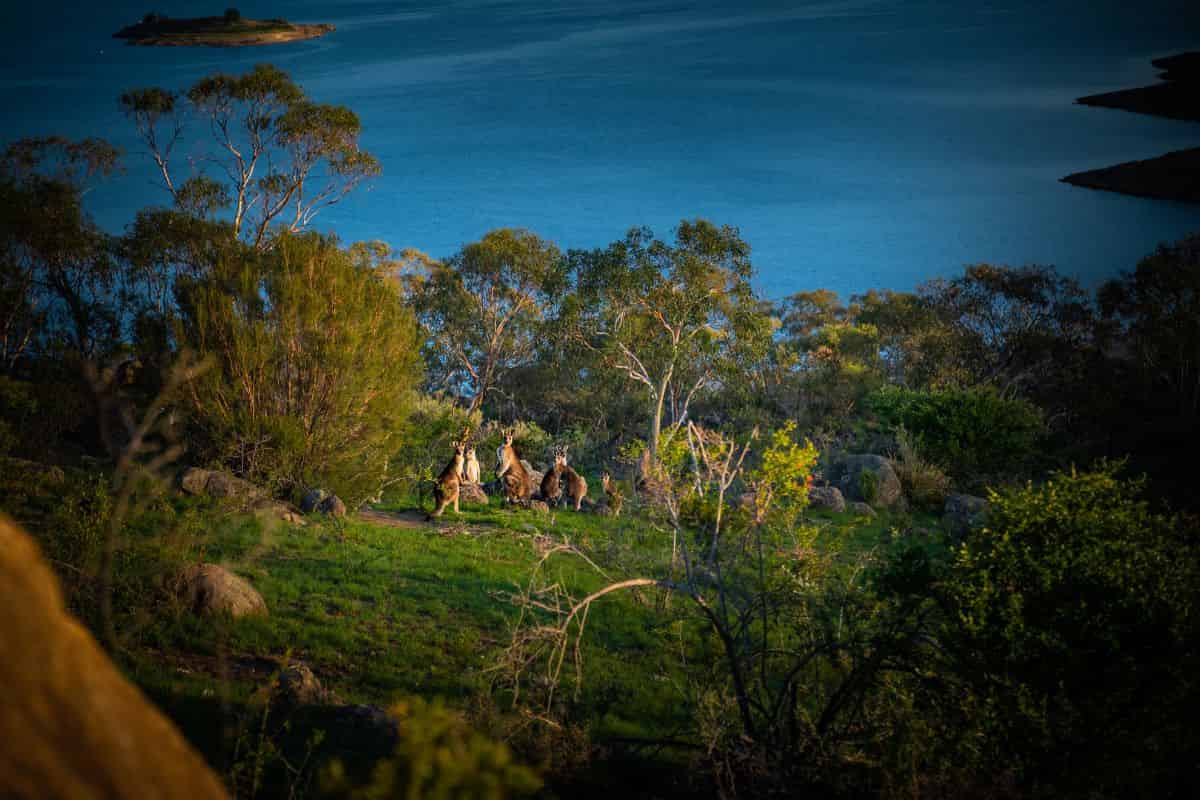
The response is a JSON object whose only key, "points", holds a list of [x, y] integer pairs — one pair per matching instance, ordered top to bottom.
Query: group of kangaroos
{"points": [[560, 484]]}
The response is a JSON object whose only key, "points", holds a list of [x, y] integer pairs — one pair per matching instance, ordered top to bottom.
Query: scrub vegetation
{"points": [[938, 543]]}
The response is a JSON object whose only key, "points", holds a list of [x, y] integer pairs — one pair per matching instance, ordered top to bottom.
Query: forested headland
{"points": [[533, 518]]}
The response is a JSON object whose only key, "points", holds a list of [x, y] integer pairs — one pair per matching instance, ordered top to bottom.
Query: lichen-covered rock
{"points": [[869, 479], [472, 493], [826, 497], [312, 498], [332, 506], [862, 509], [963, 512], [211, 589], [298, 686], [73, 726]]}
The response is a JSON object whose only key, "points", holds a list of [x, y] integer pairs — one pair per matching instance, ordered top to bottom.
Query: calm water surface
{"points": [[856, 144]]}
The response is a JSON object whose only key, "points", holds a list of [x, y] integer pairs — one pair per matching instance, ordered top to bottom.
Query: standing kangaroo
{"points": [[471, 467], [514, 479], [575, 483], [552, 488], [446, 490], [613, 494]]}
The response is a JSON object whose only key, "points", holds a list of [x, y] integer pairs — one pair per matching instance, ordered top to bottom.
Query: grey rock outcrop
{"points": [[211, 589]]}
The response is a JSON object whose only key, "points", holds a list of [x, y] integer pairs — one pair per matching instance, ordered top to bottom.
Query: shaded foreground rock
{"points": [[46, 473], [869, 479], [827, 497], [963, 512], [212, 589], [298, 686], [72, 725]]}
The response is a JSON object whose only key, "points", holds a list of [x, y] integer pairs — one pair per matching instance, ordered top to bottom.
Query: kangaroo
{"points": [[471, 467], [514, 480], [575, 483], [552, 488], [446, 490], [613, 494]]}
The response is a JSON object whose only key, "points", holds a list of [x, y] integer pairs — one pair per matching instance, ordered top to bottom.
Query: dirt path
{"points": [[412, 520]]}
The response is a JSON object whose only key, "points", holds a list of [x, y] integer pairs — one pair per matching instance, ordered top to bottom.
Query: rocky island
{"points": [[228, 30], [1174, 176]]}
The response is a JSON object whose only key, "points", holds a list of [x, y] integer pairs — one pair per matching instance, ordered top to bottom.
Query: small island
{"points": [[228, 30], [1174, 176]]}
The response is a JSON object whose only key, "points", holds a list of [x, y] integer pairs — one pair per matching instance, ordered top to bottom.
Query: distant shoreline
{"points": [[217, 32], [1174, 176]]}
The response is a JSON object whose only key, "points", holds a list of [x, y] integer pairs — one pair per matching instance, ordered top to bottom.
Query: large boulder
{"points": [[535, 476], [869, 479], [236, 493], [472, 493], [826, 497], [312, 498], [332, 506], [963, 512], [212, 589], [72, 725]]}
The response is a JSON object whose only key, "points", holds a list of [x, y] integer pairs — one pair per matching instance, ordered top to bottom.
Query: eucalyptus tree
{"points": [[274, 156], [57, 277], [486, 308], [671, 318]]}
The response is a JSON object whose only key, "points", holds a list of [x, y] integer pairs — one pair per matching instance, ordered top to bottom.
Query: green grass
{"points": [[380, 613]]}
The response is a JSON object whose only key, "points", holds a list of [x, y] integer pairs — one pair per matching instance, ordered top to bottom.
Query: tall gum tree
{"points": [[275, 157], [485, 308], [670, 317]]}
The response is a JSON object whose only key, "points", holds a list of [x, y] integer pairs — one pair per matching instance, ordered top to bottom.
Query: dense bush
{"points": [[314, 364], [975, 434], [1074, 632]]}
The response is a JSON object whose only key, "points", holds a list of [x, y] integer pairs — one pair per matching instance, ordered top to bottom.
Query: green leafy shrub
{"points": [[314, 363], [976, 434], [425, 449], [925, 485], [1074, 627], [439, 755]]}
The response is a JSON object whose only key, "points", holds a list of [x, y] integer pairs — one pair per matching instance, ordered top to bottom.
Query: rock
{"points": [[46, 473], [867, 478], [194, 481], [221, 486], [492, 487], [472, 493], [827, 497], [312, 499], [332, 506], [539, 506], [862, 509], [279, 510], [963, 512], [212, 589], [298, 686], [73, 726], [365, 727]]}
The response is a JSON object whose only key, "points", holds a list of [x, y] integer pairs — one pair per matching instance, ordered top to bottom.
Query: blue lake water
{"points": [[856, 144]]}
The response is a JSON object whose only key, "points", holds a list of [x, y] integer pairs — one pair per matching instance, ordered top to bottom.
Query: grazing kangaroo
{"points": [[471, 467], [514, 479], [575, 483], [552, 488], [446, 490], [613, 494]]}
